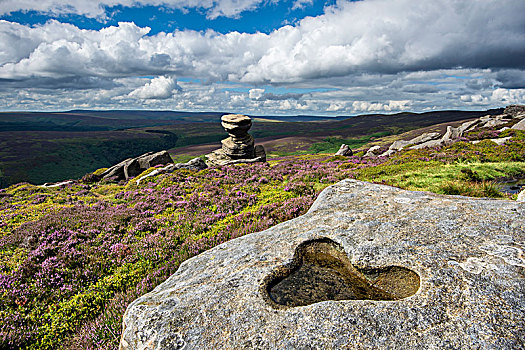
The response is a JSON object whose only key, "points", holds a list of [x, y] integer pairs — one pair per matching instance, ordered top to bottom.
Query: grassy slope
{"points": [[183, 214], [71, 259]]}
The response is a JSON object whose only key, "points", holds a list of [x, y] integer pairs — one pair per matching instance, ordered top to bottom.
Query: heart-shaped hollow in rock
{"points": [[320, 270]]}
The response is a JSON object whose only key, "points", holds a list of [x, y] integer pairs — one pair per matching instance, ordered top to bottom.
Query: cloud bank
{"points": [[373, 55]]}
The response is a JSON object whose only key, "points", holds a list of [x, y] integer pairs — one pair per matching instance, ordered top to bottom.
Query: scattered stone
{"points": [[496, 121], [519, 125], [467, 126], [451, 135], [424, 138], [417, 142], [499, 142], [428, 144], [398, 145], [239, 146], [344, 150], [372, 151], [387, 153], [194, 164], [132, 167], [57, 184], [430, 272]]}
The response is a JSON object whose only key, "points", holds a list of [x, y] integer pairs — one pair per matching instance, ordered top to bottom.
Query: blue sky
{"points": [[266, 18], [262, 56]]}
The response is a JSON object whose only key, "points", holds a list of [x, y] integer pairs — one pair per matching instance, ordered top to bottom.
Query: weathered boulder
{"points": [[519, 125], [424, 138], [499, 142], [399, 145], [239, 147], [344, 150], [373, 151], [194, 164], [134, 166], [409, 270]]}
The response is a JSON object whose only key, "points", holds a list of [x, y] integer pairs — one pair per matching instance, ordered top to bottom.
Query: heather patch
{"points": [[72, 258]]}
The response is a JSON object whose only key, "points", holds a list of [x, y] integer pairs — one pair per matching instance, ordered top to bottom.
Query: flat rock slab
{"points": [[467, 253]]}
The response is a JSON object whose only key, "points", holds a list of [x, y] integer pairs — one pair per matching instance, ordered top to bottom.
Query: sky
{"points": [[262, 57]]}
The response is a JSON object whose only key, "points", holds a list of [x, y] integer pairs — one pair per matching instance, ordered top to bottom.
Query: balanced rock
{"points": [[239, 147], [344, 150], [368, 267]]}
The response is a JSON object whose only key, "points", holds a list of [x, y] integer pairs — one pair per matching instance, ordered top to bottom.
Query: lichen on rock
{"points": [[466, 255]]}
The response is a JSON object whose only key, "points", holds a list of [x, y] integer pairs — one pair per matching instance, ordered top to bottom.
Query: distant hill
{"points": [[43, 147]]}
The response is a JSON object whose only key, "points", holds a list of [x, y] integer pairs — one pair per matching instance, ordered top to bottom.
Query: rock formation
{"points": [[515, 111], [511, 114], [239, 146], [344, 150], [373, 151], [132, 167], [409, 270]]}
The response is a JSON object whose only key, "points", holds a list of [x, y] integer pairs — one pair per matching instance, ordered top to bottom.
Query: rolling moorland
{"points": [[48, 147], [72, 258]]}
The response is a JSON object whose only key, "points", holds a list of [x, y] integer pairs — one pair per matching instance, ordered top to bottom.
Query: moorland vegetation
{"points": [[47, 147], [72, 258]]}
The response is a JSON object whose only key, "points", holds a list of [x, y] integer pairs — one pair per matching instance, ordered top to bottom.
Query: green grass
{"points": [[332, 144], [437, 177]]}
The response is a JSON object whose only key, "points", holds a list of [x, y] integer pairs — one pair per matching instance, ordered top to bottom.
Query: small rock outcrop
{"points": [[515, 111], [511, 114], [239, 147], [344, 150], [373, 151], [132, 167], [430, 272]]}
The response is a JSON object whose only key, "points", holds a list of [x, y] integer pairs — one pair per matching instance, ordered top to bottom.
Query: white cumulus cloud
{"points": [[372, 55], [158, 88]]}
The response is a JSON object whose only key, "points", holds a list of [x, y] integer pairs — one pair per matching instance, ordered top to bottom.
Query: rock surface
{"points": [[515, 111], [512, 113], [519, 125], [239, 147], [344, 150], [373, 151], [132, 167], [58, 184], [521, 196], [462, 257]]}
